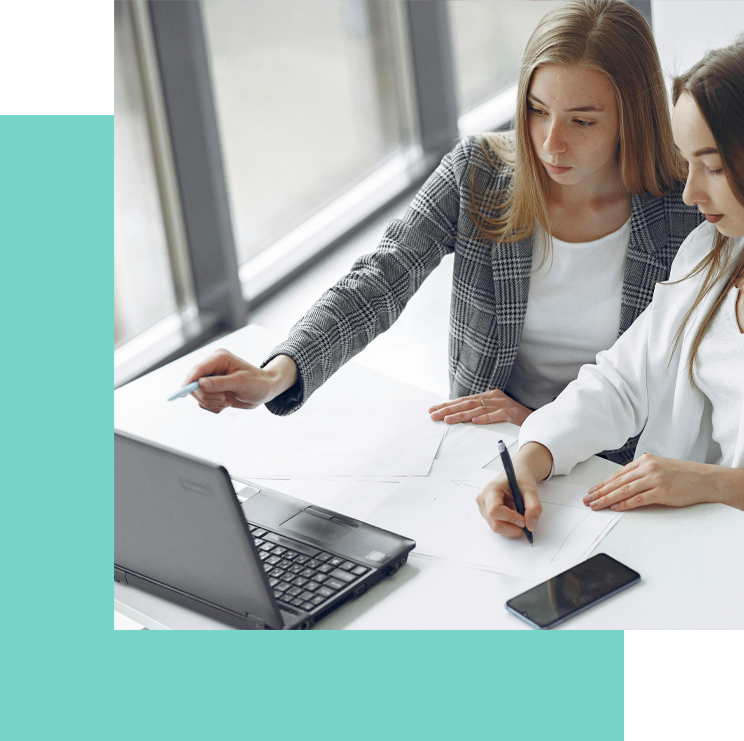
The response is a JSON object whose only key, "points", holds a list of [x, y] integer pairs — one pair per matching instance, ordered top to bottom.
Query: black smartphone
{"points": [[571, 592]]}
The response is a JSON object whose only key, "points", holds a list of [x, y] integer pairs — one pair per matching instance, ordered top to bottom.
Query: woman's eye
{"points": [[539, 111], [584, 123], [715, 172]]}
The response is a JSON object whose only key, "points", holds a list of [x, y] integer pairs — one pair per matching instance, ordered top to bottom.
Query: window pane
{"points": [[685, 31], [489, 37], [309, 101], [143, 289]]}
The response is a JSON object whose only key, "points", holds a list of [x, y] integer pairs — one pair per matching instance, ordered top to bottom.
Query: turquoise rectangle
{"points": [[56, 232], [66, 670]]}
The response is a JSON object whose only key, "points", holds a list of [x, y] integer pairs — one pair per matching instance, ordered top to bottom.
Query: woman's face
{"points": [[574, 124], [707, 185]]}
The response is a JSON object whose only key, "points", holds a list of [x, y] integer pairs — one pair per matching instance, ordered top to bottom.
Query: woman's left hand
{"points": [[481, 409], [655, 480]]}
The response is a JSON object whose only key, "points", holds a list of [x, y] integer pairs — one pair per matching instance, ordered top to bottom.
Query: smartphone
{"points": [[571, 592]]}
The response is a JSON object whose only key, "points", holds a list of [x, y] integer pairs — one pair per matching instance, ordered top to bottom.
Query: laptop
{"points": [[261, 560]]}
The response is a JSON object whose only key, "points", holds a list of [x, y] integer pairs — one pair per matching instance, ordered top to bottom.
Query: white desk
{"points": [[691, 562]]}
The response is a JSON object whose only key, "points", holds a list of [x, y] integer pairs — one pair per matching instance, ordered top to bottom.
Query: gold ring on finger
{"points": [[483, 403]]}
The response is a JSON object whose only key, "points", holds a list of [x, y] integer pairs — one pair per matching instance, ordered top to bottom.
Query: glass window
{"points": [[684, 31], [488, 38], [310, 98], [143, 288]]}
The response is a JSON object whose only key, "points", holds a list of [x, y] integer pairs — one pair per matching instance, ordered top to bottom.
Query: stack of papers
{"points": [[360, 424], [439, 512]]}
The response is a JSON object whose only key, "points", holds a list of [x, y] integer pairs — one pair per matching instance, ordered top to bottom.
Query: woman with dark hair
{"points": [[559, 231], [677, 375]]}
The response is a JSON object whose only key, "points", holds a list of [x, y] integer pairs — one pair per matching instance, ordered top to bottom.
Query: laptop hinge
{"points": [[260, 623]]}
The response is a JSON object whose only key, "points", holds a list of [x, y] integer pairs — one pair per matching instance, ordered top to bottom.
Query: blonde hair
{"points": [[605, 35], [716, 84]]}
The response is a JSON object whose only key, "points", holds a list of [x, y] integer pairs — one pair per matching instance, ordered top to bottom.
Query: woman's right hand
{"points": [[228, 381], [532, 463], [496, 505]]}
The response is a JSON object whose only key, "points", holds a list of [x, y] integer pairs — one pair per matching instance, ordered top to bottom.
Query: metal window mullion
{"points": [[181, 48], [434, 74], [163, 158]]}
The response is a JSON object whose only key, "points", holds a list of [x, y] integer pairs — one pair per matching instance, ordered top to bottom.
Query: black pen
{"points": [[518, 501]]}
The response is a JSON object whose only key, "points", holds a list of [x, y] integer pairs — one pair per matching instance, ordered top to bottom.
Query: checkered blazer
{"points": [[490, 284]]}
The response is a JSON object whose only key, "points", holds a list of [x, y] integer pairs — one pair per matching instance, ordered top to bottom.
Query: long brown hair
{"points": [[614, 38], [716, 83]]}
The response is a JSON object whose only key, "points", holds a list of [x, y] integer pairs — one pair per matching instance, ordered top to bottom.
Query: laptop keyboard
{"points": [[306, 578]]}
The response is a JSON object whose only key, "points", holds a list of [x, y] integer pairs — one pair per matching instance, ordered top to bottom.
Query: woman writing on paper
{"points": [[559, 231], [677, 375]]}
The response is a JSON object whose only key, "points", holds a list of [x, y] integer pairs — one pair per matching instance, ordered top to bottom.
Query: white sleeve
{"points": [[602, 408]]}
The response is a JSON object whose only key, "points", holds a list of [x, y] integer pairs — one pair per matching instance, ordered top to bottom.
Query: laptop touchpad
{"points": [[316, 527]]}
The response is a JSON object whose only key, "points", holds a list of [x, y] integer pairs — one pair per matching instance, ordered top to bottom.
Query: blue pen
{"points": [[185, 391]]}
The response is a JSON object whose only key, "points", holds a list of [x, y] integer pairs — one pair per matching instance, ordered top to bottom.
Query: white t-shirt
{"points": [[573, 313], [719, 373]]}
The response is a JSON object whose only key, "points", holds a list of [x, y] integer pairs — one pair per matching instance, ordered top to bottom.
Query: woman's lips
{"points": [[555, 170], [712, 218]]}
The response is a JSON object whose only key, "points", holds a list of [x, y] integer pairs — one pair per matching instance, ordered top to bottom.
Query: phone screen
{"points": [[574, 590]]}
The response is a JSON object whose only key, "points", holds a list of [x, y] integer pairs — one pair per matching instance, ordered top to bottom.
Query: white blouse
{"points": [[573, 312], [719, 373]]}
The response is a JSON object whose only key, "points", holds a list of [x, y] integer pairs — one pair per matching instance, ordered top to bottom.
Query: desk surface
{"points": [[690, 560]]}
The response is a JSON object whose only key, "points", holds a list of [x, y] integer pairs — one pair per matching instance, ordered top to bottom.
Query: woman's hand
{"points": [[227, 381], [481, 409], [532, 463], [675, 483]]}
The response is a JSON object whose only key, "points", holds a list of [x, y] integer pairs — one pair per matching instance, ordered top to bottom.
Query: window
{"points": [[685, 31], [488, 39], [310, 98], [143, 288]]}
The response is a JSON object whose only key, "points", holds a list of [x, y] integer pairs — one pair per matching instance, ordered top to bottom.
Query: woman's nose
{"points": [[555, 142], [693, 193]]}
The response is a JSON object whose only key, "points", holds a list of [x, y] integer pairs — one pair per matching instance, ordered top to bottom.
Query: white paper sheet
{"points": [[361, 423], [470, 445], [441, 516]]}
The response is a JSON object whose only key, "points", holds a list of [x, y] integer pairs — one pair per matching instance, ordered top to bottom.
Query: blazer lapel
{"points": [[512, 263], [643, 268]]}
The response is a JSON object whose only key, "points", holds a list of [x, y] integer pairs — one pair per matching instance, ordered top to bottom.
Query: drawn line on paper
{"points": [[469, 484], [569, 535]]}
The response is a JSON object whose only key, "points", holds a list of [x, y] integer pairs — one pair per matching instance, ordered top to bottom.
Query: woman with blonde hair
{"points": [[559, 231], [677, 375]]}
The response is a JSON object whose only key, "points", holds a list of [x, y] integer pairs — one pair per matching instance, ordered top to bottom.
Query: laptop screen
{"points": [[178, 522]]}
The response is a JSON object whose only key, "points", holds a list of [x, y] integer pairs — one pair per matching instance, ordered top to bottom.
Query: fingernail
{"points": [[205, 384], [435, 415], [477, 419], [593, 489], [588, 498], [593, 505], [615, 507], [519, 523], [533, 523]]}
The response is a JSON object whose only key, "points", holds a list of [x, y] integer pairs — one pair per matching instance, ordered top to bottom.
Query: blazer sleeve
{"points": [[366, 301], [602, 408]]}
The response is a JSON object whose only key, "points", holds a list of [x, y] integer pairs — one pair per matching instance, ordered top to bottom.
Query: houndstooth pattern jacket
{"points": [[490, 285]]}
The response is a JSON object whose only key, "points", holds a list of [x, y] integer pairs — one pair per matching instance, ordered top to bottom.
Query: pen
{"points": [[185, 391], [518, 501]]}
